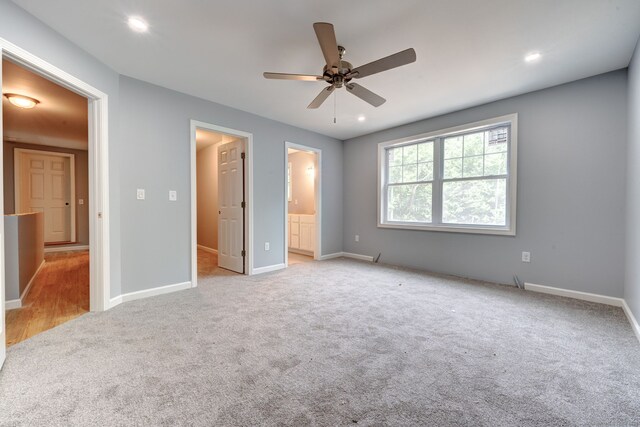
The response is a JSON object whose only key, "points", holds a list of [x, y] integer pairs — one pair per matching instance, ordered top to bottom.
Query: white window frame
{"points": [[512, 169]]}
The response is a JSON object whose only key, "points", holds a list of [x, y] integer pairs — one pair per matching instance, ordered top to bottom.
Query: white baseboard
{"points": [[49, 249], [208, 249], [331, 256], [357, 256], [268, 268], [33, 278], [146, 293], [585, 296], [17, 303], [12, 304], [634, 323]]}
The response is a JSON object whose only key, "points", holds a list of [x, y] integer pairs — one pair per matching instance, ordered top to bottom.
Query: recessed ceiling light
{"points": [[138, 24], [533, 56], [21, 100], [361, 118]]}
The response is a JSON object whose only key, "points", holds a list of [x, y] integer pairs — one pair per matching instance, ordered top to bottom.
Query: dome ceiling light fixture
{"points": [[22, 101]]}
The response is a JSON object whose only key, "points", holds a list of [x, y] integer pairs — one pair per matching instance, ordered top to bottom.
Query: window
{"points": [[461, 179]]}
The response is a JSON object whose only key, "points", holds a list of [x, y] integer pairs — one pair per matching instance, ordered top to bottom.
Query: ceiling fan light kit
{"points": [[338, 73]]}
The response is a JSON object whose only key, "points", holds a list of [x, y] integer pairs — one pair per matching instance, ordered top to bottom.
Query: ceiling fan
{"points": [[339, 73]]}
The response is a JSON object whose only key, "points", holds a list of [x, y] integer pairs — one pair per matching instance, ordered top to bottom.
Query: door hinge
{"points": [[242, 155], [243, 205], [243, 253]]}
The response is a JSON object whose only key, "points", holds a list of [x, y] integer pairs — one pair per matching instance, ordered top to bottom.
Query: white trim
{"points": [[98, 154], [512, 180], [17, 182], [317, 195], [248, 237], [66, 248], [208, 249], [332, 256], [357, 256], [268, 268], [28, 287], [146, 293], [585, 296], [17, 303], [12, 304], [634, 322]]}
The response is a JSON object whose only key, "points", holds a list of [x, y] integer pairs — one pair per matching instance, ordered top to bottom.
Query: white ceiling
{"points": [[469, 52], [59, 120]]}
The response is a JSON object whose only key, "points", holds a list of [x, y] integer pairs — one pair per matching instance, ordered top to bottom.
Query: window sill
{"points": [[496, 231]]}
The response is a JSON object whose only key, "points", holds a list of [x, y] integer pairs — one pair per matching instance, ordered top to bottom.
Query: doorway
{"points": [[14, 134], [221, 201], [303, 204]]}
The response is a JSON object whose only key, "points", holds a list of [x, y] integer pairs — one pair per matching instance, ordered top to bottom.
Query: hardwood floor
{"points": [[295, 258], [208, 265], [59, 293]]}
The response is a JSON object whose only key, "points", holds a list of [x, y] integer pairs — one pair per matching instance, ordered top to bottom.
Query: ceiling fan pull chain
{"points": [[334, 107]]}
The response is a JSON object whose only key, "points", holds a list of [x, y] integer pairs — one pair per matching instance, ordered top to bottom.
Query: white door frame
{"points": [[98, 164], [248, 174], [17, 181], [317, 190]]}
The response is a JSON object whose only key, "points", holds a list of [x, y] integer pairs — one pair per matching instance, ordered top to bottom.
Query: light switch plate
{"points": [[140, 194], [173, 195]]}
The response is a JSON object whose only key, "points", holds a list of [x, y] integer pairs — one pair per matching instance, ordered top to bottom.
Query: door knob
{"points": [[67, 203]]}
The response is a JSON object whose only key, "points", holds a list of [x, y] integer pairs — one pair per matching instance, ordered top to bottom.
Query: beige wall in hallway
{"points": [[82, 183], [302, 183], [207, 197]]}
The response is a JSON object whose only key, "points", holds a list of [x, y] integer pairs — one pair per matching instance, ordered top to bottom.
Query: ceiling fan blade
{"points": [[327, 39], [392, 61], [287, 76], [365, 94], [321, 97]]}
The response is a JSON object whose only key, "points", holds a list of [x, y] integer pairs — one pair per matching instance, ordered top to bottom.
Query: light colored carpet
{"points": [[334, 343]]}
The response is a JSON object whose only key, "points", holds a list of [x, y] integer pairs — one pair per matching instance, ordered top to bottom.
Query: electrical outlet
{"points": [[140, 194], [173, 195], [81, 201], [357, 237], [266, 246], [526, 256]]}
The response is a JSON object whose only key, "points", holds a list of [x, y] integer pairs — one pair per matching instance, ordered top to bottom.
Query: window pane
{"points": [[496, 140], [473, 144], [453, 147], [425, 152], [409, 154], [395, 156], [495, 164], [472, 166], [452, 168], [425, 171], [410, 173], [395, 174], [479, 202], [410, 203]]}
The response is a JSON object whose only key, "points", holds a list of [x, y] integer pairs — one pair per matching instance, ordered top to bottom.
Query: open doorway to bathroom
{"points": [[303, 204]]}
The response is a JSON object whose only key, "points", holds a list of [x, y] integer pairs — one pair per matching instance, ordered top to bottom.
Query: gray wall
{"points": [[27, 32], [82, 184], [207, 185], [302, 191], [571, 193], [155, 232], [24, 251], [632, 277]]}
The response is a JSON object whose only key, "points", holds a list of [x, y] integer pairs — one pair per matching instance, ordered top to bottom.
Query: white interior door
{"points": [[45, 186], [230, 198]]}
